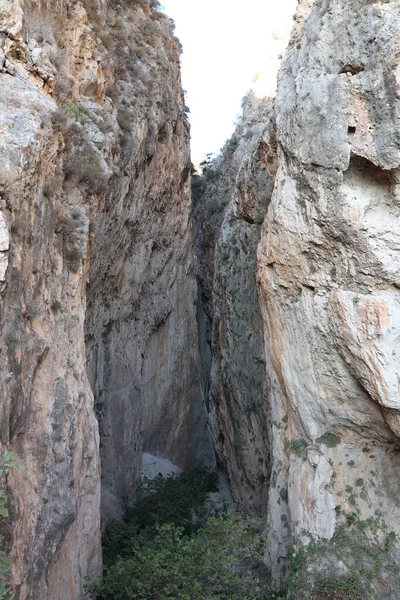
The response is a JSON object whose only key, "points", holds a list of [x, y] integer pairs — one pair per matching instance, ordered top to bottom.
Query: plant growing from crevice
{"points": [[329, 439], [296, 446], [344, 567]]}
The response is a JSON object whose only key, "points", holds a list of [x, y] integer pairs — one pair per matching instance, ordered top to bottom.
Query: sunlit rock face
{"points": [[94, 188], [328, 274], [47, 414]]}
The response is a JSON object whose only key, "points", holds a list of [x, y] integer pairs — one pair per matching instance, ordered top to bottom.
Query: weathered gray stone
{"points": [[242, 180], [328, 273], [143, 357]]}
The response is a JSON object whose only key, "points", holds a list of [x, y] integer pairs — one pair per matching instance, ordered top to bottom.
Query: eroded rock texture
{"points": [[94, 180], [94, 187], [236, 189], [328, 273], [143, 355], [47, 412], [309, 429]]}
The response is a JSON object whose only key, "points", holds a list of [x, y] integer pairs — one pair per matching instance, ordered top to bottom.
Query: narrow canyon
{"points": [[246, 318]]}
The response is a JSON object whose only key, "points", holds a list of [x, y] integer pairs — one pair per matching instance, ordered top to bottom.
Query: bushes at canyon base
{"points": [[178, 499], [166, 548], [211, 563]]}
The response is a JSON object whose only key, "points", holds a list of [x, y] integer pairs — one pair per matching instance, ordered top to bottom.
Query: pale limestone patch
{"points": [[11, 16], [4, 235], [4, 246], [367, 330], [311, 499]]}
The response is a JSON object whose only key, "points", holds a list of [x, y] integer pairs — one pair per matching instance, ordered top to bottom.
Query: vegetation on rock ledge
{"points": [[6, 462], [359, 562]]}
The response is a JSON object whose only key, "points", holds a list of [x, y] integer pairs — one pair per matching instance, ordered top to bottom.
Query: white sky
{"points": [[225, 44]]}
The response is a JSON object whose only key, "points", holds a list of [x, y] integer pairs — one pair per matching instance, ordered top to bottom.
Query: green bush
{"points": [[6, 462], [174, 499], [159, 551], [214, 562], [359, 562]]}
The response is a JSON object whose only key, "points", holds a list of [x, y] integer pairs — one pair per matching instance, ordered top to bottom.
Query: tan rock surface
{"points": [[94, 188]]}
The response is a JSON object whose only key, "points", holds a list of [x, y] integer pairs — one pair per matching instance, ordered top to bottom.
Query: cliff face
{"points": [[94, 188], [235, 191], [297, 240], [328, 272], [143, 356], [46, 403], [314, 435]]}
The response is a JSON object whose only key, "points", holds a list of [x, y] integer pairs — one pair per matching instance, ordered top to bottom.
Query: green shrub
{"points": [[76, 111], [83, 164], [329, 439], [297, 446], [6, 462], [173, 499], [118, 539], [160, 552], [215, 562], [357, 563]]}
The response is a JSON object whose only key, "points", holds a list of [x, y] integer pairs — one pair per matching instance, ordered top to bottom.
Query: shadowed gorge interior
{"points": [[199, 364]]}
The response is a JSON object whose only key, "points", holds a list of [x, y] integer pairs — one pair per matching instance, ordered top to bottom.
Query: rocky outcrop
{"points": [[94, 188], [231, 200], [98, 270], [328, 276], [47, 413]]}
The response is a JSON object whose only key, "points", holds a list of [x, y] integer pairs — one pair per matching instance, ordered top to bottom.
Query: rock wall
{"points": [[94, 189], [233, 196], [231, 200], [98, 269], [327, 269], [142, 344], [47, 414], [308, 427]]}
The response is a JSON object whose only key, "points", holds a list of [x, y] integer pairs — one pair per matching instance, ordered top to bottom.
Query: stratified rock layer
{"points": [[328, 273]]}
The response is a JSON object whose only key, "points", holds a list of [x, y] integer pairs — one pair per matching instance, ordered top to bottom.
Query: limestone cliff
{"points": [[237, 186], [94, 189], [328, 273], [298, 310], [143, 354], [47, 413], [312, 437]]}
